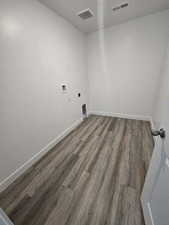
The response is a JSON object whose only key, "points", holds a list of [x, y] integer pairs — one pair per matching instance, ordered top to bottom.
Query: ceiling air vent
{"points": [[118, 7], [85, 14]]}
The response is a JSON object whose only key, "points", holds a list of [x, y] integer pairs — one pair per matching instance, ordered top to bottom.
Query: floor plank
{"points": [[94, 176]]}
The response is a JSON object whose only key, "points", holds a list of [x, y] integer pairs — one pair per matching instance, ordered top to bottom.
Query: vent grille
{"points": [[116, 8], [86, 14]]}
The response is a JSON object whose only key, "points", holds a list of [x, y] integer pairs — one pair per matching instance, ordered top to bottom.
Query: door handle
{"points": [[160, 133]]}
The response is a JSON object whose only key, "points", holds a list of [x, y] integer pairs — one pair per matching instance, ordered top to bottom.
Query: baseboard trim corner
{"points": [[121, 115], [152, 124], [18, 172]]}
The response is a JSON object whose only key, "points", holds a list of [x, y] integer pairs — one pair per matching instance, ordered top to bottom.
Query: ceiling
{"points": [[103, 10]]}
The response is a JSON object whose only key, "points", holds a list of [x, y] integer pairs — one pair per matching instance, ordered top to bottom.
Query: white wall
{"points": [[39, 52], [126, 81]]}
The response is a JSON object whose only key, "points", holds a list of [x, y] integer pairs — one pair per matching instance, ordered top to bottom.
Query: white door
{"points": [[155, 196]]}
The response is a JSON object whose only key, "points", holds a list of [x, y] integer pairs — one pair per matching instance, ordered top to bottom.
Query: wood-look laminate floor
{"points": [[93, 177]]}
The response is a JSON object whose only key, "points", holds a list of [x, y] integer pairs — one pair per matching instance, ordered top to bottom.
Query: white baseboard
{"points": [[120, 115], [153, 127], [11, 178], [147, 212], [150, 213]]}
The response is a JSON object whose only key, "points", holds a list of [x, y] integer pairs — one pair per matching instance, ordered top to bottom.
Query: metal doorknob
{"points": [[160, 133]]}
